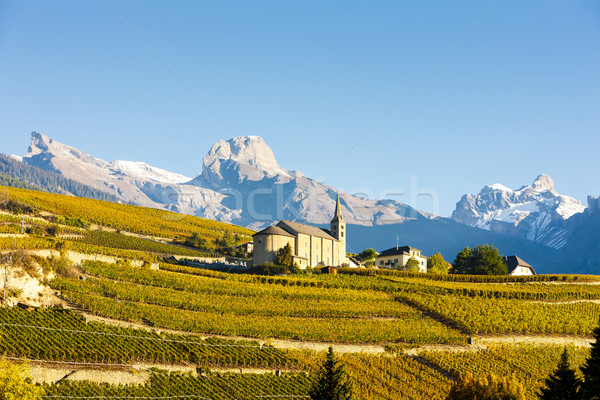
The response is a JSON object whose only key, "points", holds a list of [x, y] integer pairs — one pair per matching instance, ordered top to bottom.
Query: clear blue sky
{"points": [[518, 96]]}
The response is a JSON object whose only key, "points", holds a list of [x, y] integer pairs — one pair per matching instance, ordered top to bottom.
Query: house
{"points": [[311, 246], [248, 247], [397, 257], [354, 263], [517, 266]]}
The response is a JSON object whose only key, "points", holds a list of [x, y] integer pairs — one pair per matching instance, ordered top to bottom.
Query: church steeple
{"points": [[337, 215], [338, 231]]}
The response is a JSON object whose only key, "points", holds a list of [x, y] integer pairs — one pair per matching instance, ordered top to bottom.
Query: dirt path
{"points": [[567, 302], [537, 340], [135, 374]]}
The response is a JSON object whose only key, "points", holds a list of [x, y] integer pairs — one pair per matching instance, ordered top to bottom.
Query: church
{"points": [[311, 246]]}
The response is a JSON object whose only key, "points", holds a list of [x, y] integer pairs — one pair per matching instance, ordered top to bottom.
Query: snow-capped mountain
{"points": [[131, 182], [241, 182], [535, 212]]}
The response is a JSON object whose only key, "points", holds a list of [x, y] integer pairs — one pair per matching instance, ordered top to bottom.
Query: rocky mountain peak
{"points": [[39, 144], [250, 150], [242, 158], [543, 182], [533, 212]]}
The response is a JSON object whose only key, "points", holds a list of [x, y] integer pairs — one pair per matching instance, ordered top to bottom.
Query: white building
{"points": [[397, 257]]}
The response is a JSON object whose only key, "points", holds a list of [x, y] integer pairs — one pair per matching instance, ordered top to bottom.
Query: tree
{"points": [[285, 256], [367, 257], [482, 260], [486, 260], [461, 263], [412, 265], [437, 265], [331, 382], [563, 383], [13, 384], [491, 387], [590, 387]]}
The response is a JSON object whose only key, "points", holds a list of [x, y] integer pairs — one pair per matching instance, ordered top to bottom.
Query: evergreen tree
{"points": [[285, 256], [437, 265], [591, 370], [331, 382], [563, 383]]}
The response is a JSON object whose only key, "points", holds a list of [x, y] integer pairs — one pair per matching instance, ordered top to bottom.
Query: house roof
{"points": [[295, 228], [273, 230], [397, 251], [512, 262]]}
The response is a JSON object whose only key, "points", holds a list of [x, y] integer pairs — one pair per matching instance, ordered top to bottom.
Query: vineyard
{"points": [[146, 221], [207, 305], [222, 321], [62, 335], [529, 364], [212, 386]]}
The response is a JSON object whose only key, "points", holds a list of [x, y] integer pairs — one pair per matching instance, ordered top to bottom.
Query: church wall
{"points": [[266, 246]]}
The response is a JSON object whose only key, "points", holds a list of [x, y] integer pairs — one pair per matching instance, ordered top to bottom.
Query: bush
{"points": [[491, 387]]}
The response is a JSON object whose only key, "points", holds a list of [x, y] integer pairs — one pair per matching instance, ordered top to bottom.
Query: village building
{"points": [[311, 246], [247, 247], [397, 257], [517, 266]]}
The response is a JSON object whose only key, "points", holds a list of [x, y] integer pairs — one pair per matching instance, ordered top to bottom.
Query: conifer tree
{"points": [[591, 370], [331, 382], [563, 383]]}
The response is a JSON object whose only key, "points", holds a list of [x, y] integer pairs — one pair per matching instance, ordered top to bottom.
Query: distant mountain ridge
{"points": [[242, 183], [535, 212]]}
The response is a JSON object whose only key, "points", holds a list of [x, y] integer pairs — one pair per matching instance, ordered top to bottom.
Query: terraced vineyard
{"points": [[147, 221], [209, 305], [358, 308], [62, 335], [529, 364], [208, 386]]}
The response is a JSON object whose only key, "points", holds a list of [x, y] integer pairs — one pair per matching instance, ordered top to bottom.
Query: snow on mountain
{"points": [[245, 170], [146, 171], [131, 182], [241, 182], [533, 212]]}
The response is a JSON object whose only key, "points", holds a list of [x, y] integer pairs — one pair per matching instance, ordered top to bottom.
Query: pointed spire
{"points": [[337, 215]]}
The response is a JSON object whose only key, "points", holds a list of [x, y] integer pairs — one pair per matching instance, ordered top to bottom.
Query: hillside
{"points": [[49, 181], [146, 221], [129, 324]]}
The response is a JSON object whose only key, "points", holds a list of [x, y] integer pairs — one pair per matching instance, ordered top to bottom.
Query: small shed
{"points": [[329, 270]]}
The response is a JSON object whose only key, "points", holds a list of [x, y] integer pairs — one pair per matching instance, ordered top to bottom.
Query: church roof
{"points": [[337, 215], [296, 227], [273, 230], [512, 262]]}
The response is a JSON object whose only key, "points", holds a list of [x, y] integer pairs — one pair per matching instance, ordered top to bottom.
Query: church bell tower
{"points": [[338, 230]]}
